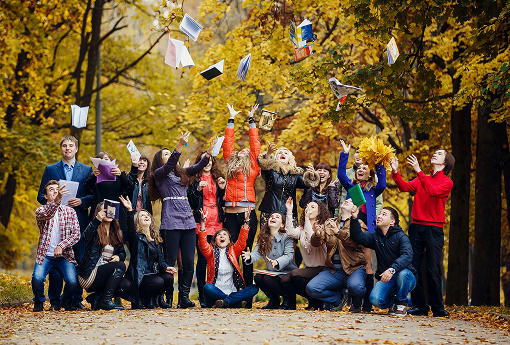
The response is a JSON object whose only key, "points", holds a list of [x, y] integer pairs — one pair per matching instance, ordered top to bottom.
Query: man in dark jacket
{"points": [[395, 271]]}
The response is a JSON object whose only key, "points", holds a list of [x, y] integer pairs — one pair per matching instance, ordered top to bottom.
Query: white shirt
{"points": [[55, 235], [225, 280]]}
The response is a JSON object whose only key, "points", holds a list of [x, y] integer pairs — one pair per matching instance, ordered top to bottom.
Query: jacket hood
{"points": [[272, 164], [392, 230]]}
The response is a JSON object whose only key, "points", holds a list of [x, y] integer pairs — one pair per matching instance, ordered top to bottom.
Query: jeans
{"points": [[201, 267], [66, 270], [56, 283], [328, 287], [212, 294], [384, 295]]}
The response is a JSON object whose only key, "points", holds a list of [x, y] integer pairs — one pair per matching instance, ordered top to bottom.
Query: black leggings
{"points": [[233, 223], [183, 239], [103, 274], [156, 284], [270, 285]]}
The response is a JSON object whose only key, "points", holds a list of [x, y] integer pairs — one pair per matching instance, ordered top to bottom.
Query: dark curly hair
{"points": [[157, 163], [325, 167], [216, 171], [322, 216], [264, 240]]}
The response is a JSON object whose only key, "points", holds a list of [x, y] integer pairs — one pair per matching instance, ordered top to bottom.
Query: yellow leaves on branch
{"points": [[373, 151]]}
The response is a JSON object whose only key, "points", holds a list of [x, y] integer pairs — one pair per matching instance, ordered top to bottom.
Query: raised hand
{"points": [[253, 110], [232, 111], [183, 139], [211, 146], [345, 147], [271, 148], [135, 158], [413, 162], [394, 164], [310, 169], [115, 171], [96, 172], [221, 182], [334, 183], [202, 185], [61, 191], [126, 202], [289, 204], [354, 211], [247, 213], [101, 215], [203, 215], [332, 224], [317, 228], [246, 255], [273, 263]]}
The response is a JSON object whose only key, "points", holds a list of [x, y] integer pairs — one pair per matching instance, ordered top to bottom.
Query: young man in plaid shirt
{"points": [[59, 231]]}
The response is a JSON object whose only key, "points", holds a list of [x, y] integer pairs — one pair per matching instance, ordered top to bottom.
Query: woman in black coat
{"points": [[139, 183], [326, 192], [102, 268], [148, 271]]}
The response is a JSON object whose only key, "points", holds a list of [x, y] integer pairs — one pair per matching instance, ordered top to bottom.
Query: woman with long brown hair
{"points": [[139, 183], [168, 183], [326, 192], [206, 193], [277, 249], [102, 267]]}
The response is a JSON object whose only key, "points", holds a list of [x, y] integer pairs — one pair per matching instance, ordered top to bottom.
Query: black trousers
{"points": [[233, 223], [183, 239], [430, 239], [103, 274], [156, 284], [270, 285]]}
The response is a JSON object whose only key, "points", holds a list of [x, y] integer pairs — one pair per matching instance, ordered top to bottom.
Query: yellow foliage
{"points": [[373, 152]]}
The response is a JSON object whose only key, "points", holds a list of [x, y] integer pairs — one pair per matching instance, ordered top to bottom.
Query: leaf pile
{"points": [[373, 151]]}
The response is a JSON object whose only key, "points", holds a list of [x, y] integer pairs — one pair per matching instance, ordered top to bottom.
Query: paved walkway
{"points": [[200, 326]]}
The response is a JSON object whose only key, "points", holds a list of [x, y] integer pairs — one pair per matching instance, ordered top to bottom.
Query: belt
{"points": [[175, 198], [211, 205]]}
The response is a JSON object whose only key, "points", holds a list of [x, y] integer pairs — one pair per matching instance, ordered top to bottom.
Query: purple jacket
{"points": [[176, 213]]}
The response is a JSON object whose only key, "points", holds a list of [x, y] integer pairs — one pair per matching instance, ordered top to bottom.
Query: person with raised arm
{"points": [[242, 170], [139, 182], [168, 183], [326, 192], [59, 230], [426, 231], [277, 249], [313, 257], [344, 263], [395, 271], [225, 286]]}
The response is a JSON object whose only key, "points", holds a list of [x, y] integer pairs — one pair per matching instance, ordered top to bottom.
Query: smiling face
{"points": [[68, 149], [243, 152], [165, 154], [283, 156], [438, 157], [142, 164], [207, 168], [363, 173], [324, 174], [51, 192], [312, 210], [145, 219], [275, 221], [222, 239]]}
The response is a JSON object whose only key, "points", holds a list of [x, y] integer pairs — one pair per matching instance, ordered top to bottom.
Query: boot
{"points": [[369, 285], [179, 286], [201, 297], [93, 300], [118, 301], [184, 301], [105, 302], [148, 302], [161, 302], [289, 302], [274, 303], [137, 304], [313, 304]]}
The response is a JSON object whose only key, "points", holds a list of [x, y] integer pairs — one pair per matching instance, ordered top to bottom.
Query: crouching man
{"points": [[59, 230], [395, 271]]}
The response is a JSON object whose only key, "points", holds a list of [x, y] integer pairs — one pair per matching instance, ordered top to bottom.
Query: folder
{"points": [[357, 196]]}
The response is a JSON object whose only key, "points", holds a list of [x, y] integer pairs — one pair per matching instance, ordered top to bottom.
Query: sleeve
{"points": [[228, 142], [254, 144], [196, 168], [162, 172], [341, 172], [132, 177], [45, 179], [381, 179], [308, 181], [90, 182], [126, 184], [405, 186], [442, 189], [194, 195], [305, 197], [333, 197], [378, 204], [46, 212], [72, 222], [290, 229], [90, 230], [130, 233], [345, 236], [306, 237], [366, 239], [317, 241], [240, 244], [204, 247], [120, 252], [288, 253], [406, 254], [255, 255], [162, 263]]}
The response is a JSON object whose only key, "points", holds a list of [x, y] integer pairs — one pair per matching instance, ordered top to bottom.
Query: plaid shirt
{"points": [[69, 230]]}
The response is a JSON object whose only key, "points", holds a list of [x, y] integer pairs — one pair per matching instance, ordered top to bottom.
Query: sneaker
{"points": [[221, 303], [38, 306], [354, 309], [392, 309], [400, 309], [418, 312], [440, 313]]}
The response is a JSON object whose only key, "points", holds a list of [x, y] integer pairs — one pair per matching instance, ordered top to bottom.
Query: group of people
{"points": [[214, 211]]}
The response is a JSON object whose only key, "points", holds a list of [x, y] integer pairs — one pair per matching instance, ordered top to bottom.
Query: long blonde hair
{"points": [[291, 166], [153, 230]]}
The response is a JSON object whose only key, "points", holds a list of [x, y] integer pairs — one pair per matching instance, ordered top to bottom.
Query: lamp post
{"points": [[98, 103]]}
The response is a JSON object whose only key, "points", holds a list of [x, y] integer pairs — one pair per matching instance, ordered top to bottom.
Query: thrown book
{"points": [[190, 27], [302, 35], [392, 51], [177, 53], [300, 54], [243, 68], [213, 71], [342, 91], [79, 116], [217, 147], [132, 149], [356, 195], [112, 208]]}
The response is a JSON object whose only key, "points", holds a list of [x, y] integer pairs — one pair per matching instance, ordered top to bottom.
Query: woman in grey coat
{"points": [[277, 249]]}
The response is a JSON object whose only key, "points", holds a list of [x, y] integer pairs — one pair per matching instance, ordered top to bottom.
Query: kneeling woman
{"points": [[277, 248], [102, 267], [148, 271], [225, 285]]}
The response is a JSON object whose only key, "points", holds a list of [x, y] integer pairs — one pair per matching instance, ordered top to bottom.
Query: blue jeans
{"points": [[66, 270], [56, 281], [327, 286], [212, 294], [384, 295]]}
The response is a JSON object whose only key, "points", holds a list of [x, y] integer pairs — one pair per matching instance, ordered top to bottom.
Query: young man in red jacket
{"points": [[426, 230]]}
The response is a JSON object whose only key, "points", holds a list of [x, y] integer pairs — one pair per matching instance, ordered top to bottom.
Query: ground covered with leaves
{"points": [[198, 326]]}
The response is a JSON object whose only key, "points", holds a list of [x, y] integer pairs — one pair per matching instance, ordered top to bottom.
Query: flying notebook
{"points": [[190, 27], [302, 35], [392, 51], [177, 53], [243, 68], [213, 71], [342, 91], [79, 116], [356, 195]]}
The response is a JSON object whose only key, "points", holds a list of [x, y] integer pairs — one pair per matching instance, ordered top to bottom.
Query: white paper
{"points": [[190, 27], [174, 52], [186, 60], [218, 66], [342, 90], [79, 116], [217, 147], [132, 149], [97, 161], [73, 190]]}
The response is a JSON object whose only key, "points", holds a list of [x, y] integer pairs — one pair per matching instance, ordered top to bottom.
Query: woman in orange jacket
{"points": [[225, 286]]}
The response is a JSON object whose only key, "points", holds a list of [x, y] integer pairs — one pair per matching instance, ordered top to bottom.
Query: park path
{"points": [[239, 326]]}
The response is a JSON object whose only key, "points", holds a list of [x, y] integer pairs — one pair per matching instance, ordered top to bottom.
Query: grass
{"points": [[14, 289]]}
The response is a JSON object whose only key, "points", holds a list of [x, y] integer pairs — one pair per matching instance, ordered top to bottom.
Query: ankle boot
{"points": [[369, 285], [179, 286], [109, 289], [201, 297], [93, 300], [118, 301], [184, 301], [148, 302], [161, 302], [289, 302], [274, 303]]}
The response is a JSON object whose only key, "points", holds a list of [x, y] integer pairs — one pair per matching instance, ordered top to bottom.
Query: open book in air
{"points": [[190, 27], [302, 38], [392, 51], [177, 53], [243, 68], [213, 71], [342, 91], [79, 116]]}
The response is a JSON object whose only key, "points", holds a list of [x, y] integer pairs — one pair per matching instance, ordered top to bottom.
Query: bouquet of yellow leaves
{"points": [[373, 151]]}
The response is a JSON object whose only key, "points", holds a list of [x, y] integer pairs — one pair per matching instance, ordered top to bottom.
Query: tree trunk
{"points": [[491, 137], [7, 200], [457, 282]]}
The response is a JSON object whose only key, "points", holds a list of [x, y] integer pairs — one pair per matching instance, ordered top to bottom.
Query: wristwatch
{"points": [[392, 270]]}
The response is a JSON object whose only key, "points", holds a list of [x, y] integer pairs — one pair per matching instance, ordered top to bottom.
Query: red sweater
{"points": [[430, 198]]}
